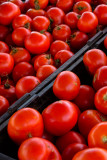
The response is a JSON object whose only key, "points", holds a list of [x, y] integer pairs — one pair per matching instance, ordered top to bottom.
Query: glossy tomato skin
{"points": [[89, 1], [19, 3], [38, 4], [65, 5], [8, 11], [32, 13], [101, 13], [91, 23], [49, 35], [105, 42], [37, 43], [4, 47], [94, 55], [66, 86], [23, 87], [85, 98], [4, 105], [88, 119], [27, 122], [54, 122], [98, 136], [69, 138], [72, 149], [91, 154]]}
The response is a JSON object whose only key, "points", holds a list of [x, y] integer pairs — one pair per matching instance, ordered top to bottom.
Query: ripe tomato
{"points": [[89, 1], [102, 1], [53, 2], [19, 3], [38, 4], [65, 5], [8, 11], [32, 13], [101, 13], [87, 22], [40, 23], [3, 32], [61, 32], [48, 34], [17, 36], [8, 40], [105, 42], [37, 43], [57, 46], [4, 47], [20, 55], [93, 59], [6, 64], [8, 81], [66, 85], [23, 87], [4, 105], [88, 119], [27, 123], [56, 123], [98, 136], [69, 138], [72, 149], [91, 154]]}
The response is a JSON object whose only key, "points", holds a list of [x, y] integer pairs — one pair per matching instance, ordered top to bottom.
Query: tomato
{"points": [[89, 1], [102, 1], [53, 2], [19, 3], [38, 4], [65, 5], [8, 11], [32, 13], [101, 13], [56, 16], [71, 19], [87, 22], [40, 23], [3, 32], [61, 32], [48, 34], [17, 36], [9, 40], [78, 40], [105, 42], [37, 43], [57, 46], [4, 47], [20, 55], [62, 56], [43, 59], [93, 59], [6, 64], [44, 71], [7, 81], [66, 85], [23, 87], [8, 91], [85, 98], [4, 105], [88, 119], [27, 123], [56, 123], [98, 136], [69, 138], [72, 149], [91, 154]]}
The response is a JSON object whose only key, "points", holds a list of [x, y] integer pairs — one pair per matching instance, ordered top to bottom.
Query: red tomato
{"points": [[89, 1], [102, 1], [53, 2], [19, 3], [38, 4], [65, 5], [81, 7], [8, 11], [32, 13], [101, 13], [71, 19], [87, 22], [40, 23], [3, 32], [61, 32], [48, 34], [19, 35], [9, 40], [105, 42], [37, 43], [57, 46], [4, 47], [20, 55], [62, 56], [93, 59], [6, 64], [44, 71], [100, 78], [7, 81], [66, 86], [23, 87], [85, 98], [4, 105], [88, 119], [27, 123], [56, 123], [98, 136], [69, 138], [72, 149], [91, 154]]}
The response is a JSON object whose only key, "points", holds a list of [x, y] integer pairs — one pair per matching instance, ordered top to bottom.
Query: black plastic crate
{"points": [[42, 99]]}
